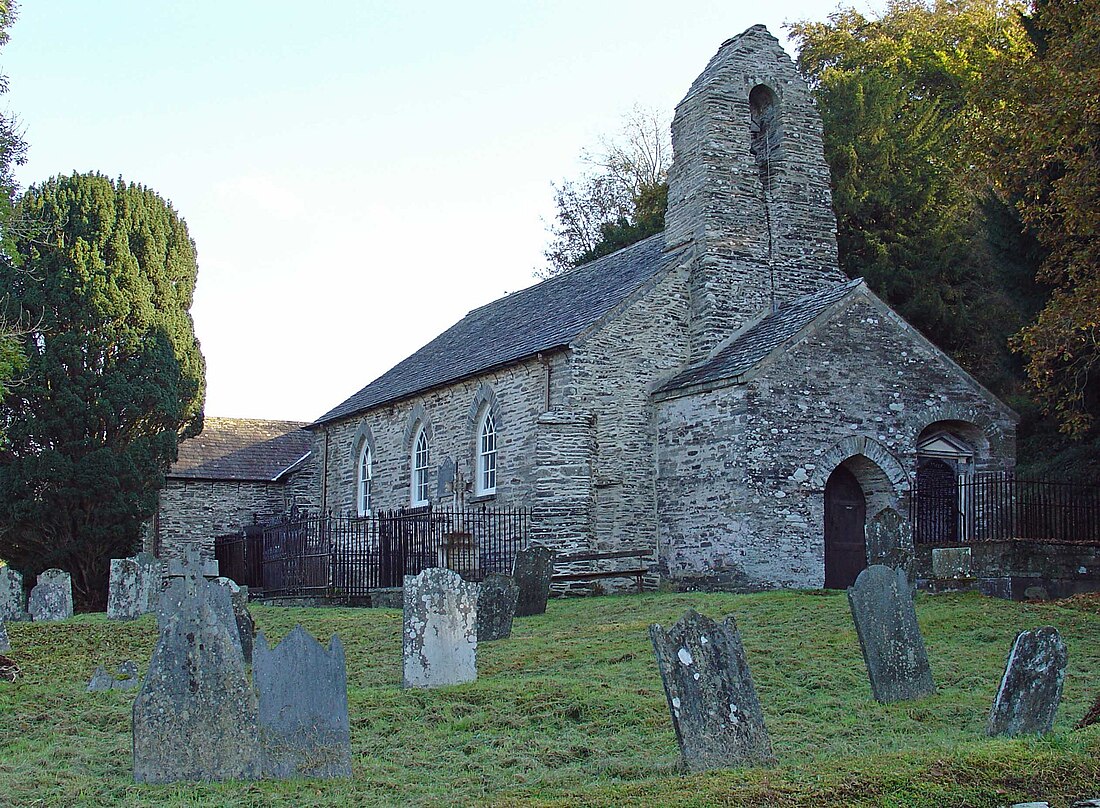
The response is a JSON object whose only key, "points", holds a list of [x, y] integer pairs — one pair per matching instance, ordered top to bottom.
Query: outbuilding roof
{"points": [[547, 315], [753, 344], [242, 449]]}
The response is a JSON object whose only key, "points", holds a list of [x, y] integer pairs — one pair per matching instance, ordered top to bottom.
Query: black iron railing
{"points": [[997, 507], [330, 556]]}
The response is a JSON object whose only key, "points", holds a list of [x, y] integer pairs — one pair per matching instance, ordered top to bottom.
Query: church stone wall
{"points": [[520, 392], [742, 468]]}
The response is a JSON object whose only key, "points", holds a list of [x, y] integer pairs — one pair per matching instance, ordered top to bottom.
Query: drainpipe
{"points": [[324, 476]]}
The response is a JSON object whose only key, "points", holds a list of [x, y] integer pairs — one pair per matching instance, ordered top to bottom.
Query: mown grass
{"points": [[570, 710]]}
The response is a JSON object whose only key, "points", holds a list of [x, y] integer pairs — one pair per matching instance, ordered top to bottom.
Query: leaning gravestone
{"points": [[532, 570], [134, 586], [52, 597], [13, 601], [496, 606], [242, 618], [886, 622], [439, 641], [5, 643], [1031, 687], [303, 698], [195, 717], [717, 717]]}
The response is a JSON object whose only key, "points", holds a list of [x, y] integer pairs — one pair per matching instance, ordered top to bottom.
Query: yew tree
{"points": [[114, 376]]}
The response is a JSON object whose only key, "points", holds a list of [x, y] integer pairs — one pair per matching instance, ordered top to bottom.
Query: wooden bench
{"points": [[636, 571]]}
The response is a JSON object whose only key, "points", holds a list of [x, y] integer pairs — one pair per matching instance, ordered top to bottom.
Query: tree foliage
{"points": [[904, 99], [13, 151], [1048, 158], [619, 201], [114, 379]]}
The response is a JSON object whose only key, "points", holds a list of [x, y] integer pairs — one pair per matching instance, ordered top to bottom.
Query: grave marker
{"points": [[531, 570], [134, 586], [52, 597], [13, 600], [496, 606], [439, 641], [1031, 686]]}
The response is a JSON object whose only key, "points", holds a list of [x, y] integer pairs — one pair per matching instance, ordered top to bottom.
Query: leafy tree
{"points": [[904, 99], [12, 152], [1048, 157], [620, 201], [114, 379]]}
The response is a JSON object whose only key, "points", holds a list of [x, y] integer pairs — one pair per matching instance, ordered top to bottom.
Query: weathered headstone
{"points": [[888, 540], [192, 567], [532, 570], [134, 586], [52, 596], [13, 600], [496, 606], [242, 618], [889, 636], [439, 641], [5, 643], [125, 679], [1031, 687], [303, 699], [715, 711], [195, 717]]}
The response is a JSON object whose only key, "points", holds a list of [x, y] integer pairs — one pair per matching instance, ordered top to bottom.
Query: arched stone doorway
{"points": [[845, 538]]}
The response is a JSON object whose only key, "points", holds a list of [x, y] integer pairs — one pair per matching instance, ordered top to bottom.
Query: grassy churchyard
{"points": [[570, 710]]}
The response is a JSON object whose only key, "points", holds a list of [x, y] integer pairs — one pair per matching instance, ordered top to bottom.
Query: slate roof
{"points": [[547, 315], [760, 339], [242, 449]]}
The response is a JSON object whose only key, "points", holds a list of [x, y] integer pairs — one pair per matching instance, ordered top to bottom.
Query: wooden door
{"points": [[845, 541]]}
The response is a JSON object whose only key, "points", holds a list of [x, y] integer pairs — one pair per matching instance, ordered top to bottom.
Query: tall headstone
{"points": [[532, 570], [134, 586], [52, 596], [13, 600], [496, 606], [242, 618], [886, 622], [439, 641], [5, 643], [1031, 687], [303, 697], [715, 711], [195, 717]]}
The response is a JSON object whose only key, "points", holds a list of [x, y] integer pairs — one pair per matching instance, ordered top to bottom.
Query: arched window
{"points": [[765, 135], [487, 456], [420, 460], [365, 479]]}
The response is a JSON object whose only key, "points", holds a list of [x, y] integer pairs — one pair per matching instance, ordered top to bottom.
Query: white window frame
{"points": [[486, 455], [420, 462], [365, 478]]}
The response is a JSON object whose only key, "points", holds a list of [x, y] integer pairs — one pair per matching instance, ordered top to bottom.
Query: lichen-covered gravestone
{"points": [[888, 540], [532, 570], [134, 586], [52, 596], [13, 600], [496, 606], [242, 618], [886, 622], [439, 641], [1031, 687], [303, 697], [715, 711], [195, 717]]}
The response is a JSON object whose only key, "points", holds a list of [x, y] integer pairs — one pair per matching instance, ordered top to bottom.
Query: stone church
{"points": [[720, 393]]}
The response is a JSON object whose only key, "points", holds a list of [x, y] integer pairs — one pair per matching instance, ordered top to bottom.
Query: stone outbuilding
{"points": [[720, 393], [235, 470]]}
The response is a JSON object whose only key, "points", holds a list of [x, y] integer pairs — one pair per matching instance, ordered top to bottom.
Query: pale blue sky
{"points": [[356, 175]]}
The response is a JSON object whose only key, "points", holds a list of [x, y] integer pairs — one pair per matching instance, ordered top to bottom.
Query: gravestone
{"points": [[888, 540], [952, 563], [191, 567], [532, 570], [134, 586], [52, 597], [13, 601], [496, 606], [242, 618], [886, 622], [439, 641], [5, 643], [125, 679], [1031, 687], [303, 700], [195, 717], [717, 717]]}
